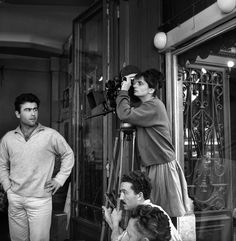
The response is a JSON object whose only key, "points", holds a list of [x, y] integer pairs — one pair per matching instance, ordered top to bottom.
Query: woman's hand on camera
{"points": [[125, 85]]}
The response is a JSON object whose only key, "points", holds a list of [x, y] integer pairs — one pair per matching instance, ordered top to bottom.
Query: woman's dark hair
{"points": [[153, 77], [26, 97], [140, 182], [152, 223]]}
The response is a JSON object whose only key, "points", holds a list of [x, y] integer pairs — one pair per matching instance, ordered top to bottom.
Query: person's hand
{"points": [[125, 85], [52, 186], [9, 189], [107, 216], [116, 216]]}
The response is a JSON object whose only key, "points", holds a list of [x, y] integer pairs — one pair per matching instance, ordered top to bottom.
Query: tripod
{"points": [[118, 166]]}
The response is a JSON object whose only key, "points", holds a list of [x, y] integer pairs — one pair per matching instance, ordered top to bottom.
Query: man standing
{"points": [[27, 157], [135, 190]]}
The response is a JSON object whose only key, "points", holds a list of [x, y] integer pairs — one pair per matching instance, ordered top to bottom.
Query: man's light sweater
{"points": [[26, 166]]}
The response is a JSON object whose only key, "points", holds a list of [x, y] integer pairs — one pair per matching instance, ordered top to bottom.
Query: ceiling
{"points": [[37, 28]]}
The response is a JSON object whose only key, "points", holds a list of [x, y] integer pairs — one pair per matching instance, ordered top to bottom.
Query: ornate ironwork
{"points": [[204, 143]]}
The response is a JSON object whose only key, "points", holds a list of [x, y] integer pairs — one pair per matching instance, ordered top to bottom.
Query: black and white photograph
{"points": [[117, 120]]}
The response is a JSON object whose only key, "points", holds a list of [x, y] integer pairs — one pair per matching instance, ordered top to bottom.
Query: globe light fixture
{"points": [[226, 6], [160, 40], [230, 63]]}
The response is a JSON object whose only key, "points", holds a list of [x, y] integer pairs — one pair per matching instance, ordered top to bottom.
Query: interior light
{"points": [[230, 63], [203, 70], [100, 79]]}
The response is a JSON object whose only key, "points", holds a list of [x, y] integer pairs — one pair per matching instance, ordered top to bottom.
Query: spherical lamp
{"points": [[226, 6], [160, 40], [230, 63]]}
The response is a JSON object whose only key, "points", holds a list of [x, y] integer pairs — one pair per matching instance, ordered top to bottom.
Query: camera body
{"points": [[125, 79], [113, 87]]}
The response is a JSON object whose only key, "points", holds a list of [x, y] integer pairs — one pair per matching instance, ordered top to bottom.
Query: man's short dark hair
{"points": [[25, 97], [140, 182], [152, 223]]}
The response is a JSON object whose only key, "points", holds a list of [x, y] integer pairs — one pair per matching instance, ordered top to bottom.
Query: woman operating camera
{"points": [[156, 152]]}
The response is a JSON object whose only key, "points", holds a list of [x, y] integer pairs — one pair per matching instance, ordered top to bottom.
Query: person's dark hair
{"points": [[153, 77], [25, 97], [140, 182], [152, 223]]}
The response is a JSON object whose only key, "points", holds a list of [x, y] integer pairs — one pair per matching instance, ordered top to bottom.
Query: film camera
{"points": [[113, 86], [112, 89]]}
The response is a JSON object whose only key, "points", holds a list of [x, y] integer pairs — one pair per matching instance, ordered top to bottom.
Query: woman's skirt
{"points": [[169, 188]]}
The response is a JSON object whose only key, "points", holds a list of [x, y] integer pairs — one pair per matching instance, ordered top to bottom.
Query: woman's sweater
{"points": [[153, 128]]}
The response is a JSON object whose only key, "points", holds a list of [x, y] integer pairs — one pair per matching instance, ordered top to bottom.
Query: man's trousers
{"points": [[29, 217]]}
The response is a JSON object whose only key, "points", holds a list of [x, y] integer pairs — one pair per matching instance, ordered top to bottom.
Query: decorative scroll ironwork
{"points": [[204, 143]]}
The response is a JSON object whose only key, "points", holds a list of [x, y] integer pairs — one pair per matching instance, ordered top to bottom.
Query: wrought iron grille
{"points": [[206, 167]]}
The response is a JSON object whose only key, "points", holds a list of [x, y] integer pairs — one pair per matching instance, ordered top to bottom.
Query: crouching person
{"points": [[135, 190]]}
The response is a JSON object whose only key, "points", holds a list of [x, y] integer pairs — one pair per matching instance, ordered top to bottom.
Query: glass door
{"points": [[95, 61], [91, 84], [206, 91], [88, 123]]}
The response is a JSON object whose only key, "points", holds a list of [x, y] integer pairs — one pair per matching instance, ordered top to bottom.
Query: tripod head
{"points": [[127, 127]]}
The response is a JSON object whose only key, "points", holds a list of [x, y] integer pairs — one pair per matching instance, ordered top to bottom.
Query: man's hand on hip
{"points": [[52, 186]]}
